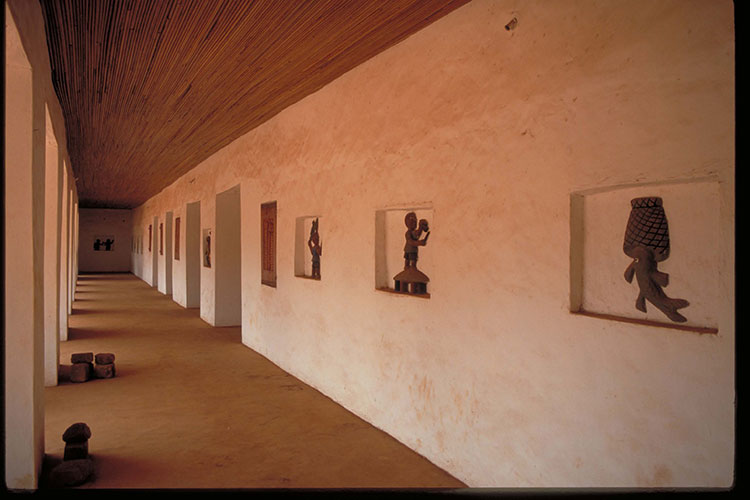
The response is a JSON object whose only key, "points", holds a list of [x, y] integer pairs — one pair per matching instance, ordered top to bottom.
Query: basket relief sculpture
{"points": [[647, 243]]}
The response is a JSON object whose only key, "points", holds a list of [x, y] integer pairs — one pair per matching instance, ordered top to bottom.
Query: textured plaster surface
{"points": [[493, 378]]}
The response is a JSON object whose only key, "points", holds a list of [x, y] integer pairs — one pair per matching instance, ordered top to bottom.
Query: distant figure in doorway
{"points": [[108, 244], [97, 245], [316, 249]]}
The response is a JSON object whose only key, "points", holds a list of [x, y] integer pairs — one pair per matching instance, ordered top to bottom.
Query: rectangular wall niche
{"points": [[150, 234], [390, 238], [177, 239], [268, 243], [207, 247], [302, 255], [598, 284]]}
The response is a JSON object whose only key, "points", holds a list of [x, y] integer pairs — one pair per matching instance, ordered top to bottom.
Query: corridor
{"points": [[191, 407]]}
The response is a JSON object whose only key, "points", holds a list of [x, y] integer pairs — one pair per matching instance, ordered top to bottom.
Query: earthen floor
{"points": [[192, 407]]}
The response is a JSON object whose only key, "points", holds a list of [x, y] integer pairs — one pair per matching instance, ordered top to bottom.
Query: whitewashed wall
{"points": [[38, 228], [164, 241], [493, 378]]}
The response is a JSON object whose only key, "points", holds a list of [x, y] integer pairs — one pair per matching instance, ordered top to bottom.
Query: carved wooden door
{"points": [[177, 239], [268, 243]]}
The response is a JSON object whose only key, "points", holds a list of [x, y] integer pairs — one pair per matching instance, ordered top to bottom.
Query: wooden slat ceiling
{"points": [[149, 89]]}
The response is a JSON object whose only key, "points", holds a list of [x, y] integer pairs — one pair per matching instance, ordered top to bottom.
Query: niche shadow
{"points": [[76, 312], [75, 333]]}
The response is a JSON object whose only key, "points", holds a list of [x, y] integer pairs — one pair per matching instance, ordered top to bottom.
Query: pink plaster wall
{"points": [[493, 378]]}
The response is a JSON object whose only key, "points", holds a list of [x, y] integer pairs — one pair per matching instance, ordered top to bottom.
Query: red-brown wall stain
{"points": [[422, 392], [458, 400], [440, 437], [662, 476]]}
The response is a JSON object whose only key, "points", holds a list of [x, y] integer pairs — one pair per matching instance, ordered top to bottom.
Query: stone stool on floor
{"points": [[105, 365], [82, 366], [76, 439], [77, 467], [71, 473]]}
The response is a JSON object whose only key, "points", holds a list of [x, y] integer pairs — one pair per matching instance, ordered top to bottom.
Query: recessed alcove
{"points": [[390, 238], [302, 255], [598, 287]]}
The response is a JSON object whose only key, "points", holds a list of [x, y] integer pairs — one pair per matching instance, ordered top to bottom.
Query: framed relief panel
{"points": [[177, 239], [268, 243], [308, 247], [647, 254], [403, 258]]}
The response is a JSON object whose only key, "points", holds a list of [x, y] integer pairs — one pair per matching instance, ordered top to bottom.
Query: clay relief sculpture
{"points": [[177, 239], [104, 243], [268, 243], [647, 243], [206, 248], [316, 249], [411, 279]]}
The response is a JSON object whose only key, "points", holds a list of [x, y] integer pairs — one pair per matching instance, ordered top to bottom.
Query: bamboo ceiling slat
{"points": [[150, 88]]}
